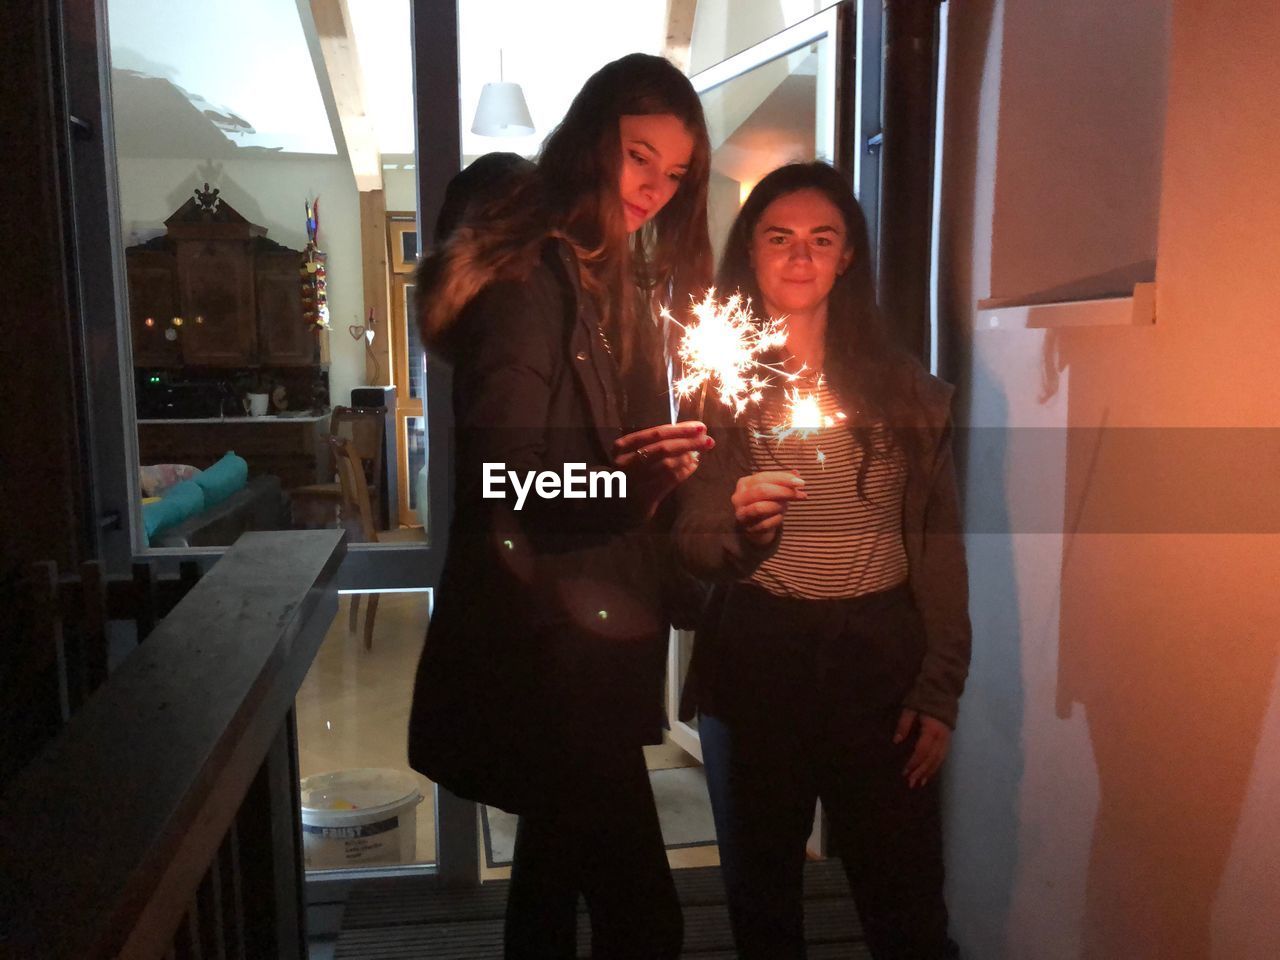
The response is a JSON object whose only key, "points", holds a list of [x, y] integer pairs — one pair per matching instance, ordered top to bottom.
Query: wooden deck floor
{"points": [[410, 918]]}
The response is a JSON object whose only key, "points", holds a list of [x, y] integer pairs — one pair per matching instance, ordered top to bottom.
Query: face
{"points": [[656, 152], [798, 248]]}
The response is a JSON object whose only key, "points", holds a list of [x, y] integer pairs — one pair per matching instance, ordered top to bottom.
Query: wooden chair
{"points": [[362, 427], [358, 519]]}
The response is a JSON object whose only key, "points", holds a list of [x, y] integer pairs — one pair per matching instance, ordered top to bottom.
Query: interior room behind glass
{"points": [[266, 278]]}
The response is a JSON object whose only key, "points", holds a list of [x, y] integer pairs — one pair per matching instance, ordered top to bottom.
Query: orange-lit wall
{"points": [[1114, 790]]}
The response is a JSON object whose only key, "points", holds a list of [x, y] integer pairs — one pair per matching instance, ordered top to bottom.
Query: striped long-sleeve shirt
{"points": [[835, 543]]}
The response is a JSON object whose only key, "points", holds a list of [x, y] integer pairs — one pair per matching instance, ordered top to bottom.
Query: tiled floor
{"points": [[353, 709]]}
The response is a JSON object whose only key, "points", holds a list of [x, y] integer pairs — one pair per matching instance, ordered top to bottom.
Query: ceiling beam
{"points": [[680, 14], [342, 66]]}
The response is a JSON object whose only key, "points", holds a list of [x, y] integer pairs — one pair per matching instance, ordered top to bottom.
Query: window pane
{"points": [[723, 28], [779, 112], [417, 352], [415, 442]]}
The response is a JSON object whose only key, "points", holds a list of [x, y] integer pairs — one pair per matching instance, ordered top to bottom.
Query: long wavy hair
{"points": [[574, 195], [874, 379]]}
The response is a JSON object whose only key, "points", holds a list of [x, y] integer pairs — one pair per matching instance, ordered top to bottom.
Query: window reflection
{"points": [[778, 112]]}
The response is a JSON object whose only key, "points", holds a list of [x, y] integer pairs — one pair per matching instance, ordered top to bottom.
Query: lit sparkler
{"points": [[722, 348], [804, 418]]}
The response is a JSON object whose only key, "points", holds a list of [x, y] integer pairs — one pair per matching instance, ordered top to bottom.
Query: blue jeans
{"points": [[820, 692]]}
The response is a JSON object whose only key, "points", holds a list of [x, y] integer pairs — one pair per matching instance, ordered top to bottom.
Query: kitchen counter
{"points": [[299, 417]]}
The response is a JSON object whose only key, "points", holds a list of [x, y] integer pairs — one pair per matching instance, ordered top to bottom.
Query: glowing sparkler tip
{"points": [[722, 348], [804, 417]]}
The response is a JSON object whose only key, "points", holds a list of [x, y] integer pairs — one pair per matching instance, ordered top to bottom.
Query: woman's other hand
{"points": [[659, 459], [760, 501], [931, 747]]}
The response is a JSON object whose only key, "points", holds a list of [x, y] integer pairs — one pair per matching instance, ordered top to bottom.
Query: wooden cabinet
{"points": [[215, 283], [217, 293], [153, 303], [284, 338]]}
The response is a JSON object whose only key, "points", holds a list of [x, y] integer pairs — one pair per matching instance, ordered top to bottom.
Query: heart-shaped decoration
{"points": [[356, 330]]}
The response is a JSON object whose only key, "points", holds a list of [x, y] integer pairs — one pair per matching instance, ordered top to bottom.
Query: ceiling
{"points": [[193, 79], [203, 80]]}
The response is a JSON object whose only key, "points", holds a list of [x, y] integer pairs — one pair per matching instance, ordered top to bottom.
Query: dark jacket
{"points": [[708, 542], [548, 637]]}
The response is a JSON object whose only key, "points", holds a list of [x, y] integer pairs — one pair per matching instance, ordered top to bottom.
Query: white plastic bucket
{"points": [[359, 818]]}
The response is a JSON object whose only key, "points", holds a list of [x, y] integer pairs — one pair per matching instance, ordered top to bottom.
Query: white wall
{"points": [[400, 185], [270, 191], [1116, 771]]}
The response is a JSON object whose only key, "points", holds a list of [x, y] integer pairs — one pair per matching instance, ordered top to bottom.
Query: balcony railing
{"points": [[162, 822]]}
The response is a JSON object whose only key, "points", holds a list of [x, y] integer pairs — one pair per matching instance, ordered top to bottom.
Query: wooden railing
{"points": [[56, 649], [163, 821]]}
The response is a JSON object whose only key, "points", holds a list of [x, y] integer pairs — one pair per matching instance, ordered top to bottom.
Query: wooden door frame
{"points": [[406, 406]]}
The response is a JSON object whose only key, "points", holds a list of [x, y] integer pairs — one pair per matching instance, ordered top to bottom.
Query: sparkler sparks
{"points": [[722, 348], [804, 418]]}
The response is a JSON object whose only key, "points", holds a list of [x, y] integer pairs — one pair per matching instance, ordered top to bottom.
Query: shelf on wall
{"points": [[1138, 310]]}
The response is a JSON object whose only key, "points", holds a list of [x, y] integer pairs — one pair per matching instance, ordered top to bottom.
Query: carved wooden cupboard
{"points": [[213, 291]]}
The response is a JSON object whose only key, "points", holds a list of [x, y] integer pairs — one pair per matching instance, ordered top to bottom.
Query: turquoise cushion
{"points": [[223, 479], [182, 500]]}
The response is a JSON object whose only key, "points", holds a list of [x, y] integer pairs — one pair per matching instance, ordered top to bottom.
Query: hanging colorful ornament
{"points": [[315, 306]]}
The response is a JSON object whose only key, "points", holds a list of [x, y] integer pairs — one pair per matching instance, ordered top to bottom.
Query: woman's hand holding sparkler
{"points": [[659, 459], [760, 502]]}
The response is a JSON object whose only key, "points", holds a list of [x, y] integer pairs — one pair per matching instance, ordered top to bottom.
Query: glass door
{"points": [[774, 103], [227, 318]]}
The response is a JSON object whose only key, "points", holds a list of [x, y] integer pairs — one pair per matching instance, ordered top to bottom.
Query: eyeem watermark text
{"points": [[575, 482]]}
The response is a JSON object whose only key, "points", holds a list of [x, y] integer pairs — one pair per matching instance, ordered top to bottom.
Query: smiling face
{"points": [[656, 152], [798, 247]]}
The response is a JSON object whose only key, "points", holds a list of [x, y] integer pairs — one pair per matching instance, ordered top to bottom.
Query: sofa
{"points": [[259, 505], [211, 507]]}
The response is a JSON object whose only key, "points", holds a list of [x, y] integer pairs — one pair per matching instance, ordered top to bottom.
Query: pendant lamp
{"points": [[502, 111]]}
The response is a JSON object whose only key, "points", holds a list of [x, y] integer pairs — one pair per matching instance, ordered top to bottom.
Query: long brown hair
{"points": [[574, 195], [874, 379]]}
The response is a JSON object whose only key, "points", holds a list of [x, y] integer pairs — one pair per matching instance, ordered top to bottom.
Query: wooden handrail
{"points": [[106, 836]]}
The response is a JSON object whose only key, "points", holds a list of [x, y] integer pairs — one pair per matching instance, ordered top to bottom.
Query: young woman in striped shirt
{"points": [[832, 657]]}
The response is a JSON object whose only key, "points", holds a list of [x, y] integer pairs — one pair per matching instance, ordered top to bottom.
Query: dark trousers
{"points": [[818, 688], [599, 837]]}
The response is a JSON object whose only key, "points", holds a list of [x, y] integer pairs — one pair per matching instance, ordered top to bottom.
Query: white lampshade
{"points": [[502, 112]]}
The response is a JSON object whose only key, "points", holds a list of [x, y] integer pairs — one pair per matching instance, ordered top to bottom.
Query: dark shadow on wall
{"points": [[154, 118], [157, 118], [211, 172], [1169, 641], [986, 765]]}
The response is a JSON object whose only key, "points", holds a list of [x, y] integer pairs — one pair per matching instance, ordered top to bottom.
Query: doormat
{"points": [[684, 813]]}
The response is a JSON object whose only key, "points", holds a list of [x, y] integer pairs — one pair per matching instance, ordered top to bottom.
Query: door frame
{"points": [[83, 75], [406, 405]]}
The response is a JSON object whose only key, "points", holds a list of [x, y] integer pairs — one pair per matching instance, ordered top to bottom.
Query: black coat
{"points": [[548, 637]]}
